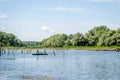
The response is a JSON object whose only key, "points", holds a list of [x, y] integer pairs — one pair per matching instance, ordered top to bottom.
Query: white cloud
{"points": [[106, 0], [61, 8], [3, 16], [2, 28], [46, 29]]}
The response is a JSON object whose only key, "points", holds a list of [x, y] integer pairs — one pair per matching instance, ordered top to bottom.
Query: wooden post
{"points": [[0, 50], [21, 50], [54, 52]]}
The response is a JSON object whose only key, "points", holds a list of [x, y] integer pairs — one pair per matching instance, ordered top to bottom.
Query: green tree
{"points": [[94, 34], [70, 36], [117, 36], [7, 39], [78, 40], [68, 43]]}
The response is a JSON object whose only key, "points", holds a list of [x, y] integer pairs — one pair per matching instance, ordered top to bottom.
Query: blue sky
{"points": [[39, 19]]}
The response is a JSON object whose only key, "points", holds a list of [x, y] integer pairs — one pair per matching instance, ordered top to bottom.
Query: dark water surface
{"points": [[63, 65]]}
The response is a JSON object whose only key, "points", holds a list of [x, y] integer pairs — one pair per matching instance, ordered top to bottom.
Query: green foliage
{"points": [[94, 35], [70, 36], [98, 36], [7, 39], [57, 40], [78, 40], [68, 42], [31, 44]]}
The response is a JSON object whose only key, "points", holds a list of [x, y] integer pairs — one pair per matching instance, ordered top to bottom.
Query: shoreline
{"points": [[91, 48]]}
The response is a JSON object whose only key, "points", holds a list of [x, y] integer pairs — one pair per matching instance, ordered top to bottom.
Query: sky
{"points": [[35, 20]]}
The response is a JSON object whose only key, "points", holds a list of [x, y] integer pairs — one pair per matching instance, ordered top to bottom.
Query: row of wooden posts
{"points": [[11, 50], [8, 51]]}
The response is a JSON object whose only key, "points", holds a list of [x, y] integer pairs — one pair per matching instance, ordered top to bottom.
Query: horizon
{"points": [[36, 20]]}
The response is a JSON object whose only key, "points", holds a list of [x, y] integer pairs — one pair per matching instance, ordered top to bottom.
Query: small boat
{"points": [[117, 50], [40, 53]]}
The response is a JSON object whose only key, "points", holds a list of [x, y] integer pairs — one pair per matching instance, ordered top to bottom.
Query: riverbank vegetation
{"points": [[99, 38], [8, 39]]}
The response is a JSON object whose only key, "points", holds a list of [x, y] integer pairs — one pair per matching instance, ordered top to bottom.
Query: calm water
{"points": [[65, 65]]}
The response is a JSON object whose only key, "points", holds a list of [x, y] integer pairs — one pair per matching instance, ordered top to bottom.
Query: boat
{"points": [[117, 50], [40, 53]]}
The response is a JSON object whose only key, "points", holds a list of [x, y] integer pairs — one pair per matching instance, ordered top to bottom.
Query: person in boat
{"points": [[117, 49], [37, 51]]}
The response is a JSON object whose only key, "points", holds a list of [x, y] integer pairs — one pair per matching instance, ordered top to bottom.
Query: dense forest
{"points": [[98, 36], [8, 39], [30, 44]]}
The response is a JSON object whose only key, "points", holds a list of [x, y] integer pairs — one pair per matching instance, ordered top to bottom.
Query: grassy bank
{"points": [[92, 47], [98, 48]]}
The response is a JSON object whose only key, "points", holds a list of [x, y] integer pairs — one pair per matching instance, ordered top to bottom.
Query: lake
{"points": [[63, 65]]}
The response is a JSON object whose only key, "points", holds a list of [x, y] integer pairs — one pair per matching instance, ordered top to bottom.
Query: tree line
{"points": [[98, 36], [8, 39]]}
